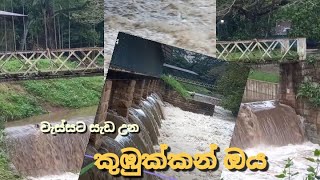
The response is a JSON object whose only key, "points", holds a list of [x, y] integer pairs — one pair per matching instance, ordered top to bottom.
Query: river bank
{"points": [[29, 98], [21, 101]]}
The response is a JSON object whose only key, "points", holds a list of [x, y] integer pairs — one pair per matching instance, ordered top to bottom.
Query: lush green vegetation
{"points": [[252, 19], [53, 24], [15, 65], [264, 76], [176, 85], [231, 86], [197, 89], [310, 91], [73, 92], [25, 99], [16, 104], [5, 173]]}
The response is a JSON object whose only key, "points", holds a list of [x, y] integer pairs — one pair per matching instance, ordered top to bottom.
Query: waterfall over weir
{"points": [[148, 115], [267, 123], [36, 154]]}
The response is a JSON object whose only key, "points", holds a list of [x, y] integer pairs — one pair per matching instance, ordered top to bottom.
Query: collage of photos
{"points": [[159, 90]]}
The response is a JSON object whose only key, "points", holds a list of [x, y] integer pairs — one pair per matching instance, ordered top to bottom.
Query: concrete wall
{"points": [[292, 75], [259, 91], [120, 95], [173, 97], [205, 99]]}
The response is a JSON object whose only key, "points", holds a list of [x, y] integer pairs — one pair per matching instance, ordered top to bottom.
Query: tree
{"points": [[305, 18], [249, 19], [54, 23], [231, 86]]}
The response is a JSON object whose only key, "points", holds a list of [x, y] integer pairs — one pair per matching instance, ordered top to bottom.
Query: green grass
{"points": [[14, 65], [264, 76], [176, 86], [197, 89], [72, 93], [26, 98], [16, 105], [5, 173]]}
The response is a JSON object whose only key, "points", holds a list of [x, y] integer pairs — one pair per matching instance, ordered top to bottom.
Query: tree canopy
{"points": [[248, 19], [51, 24]]}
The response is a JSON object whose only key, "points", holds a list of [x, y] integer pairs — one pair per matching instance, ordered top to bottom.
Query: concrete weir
{"points": [[134, 99]]}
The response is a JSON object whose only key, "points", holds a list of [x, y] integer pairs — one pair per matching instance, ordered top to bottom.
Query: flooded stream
{"points": [[188, 24], [269, 123], [277, 131], [193, 133], [43, 156], [60, 157], [276, 158]]}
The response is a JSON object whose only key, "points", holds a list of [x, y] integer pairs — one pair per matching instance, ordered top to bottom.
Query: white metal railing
{"points": [[262, 50], [27, 64]]}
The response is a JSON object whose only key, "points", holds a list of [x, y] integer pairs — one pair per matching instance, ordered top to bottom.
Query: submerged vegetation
{"points": [[197, 89]]}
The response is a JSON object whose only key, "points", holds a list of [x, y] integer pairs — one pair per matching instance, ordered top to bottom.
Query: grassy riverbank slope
{"points": [[28, 98]]}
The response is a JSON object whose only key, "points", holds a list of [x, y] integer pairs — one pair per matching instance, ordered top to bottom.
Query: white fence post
{"points": [[302, 48]]}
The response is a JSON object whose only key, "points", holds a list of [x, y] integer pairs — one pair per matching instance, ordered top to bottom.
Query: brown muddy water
{"points": [[188, 24], [67, 114], [267, 122], [277, 131], [35, 154], [44, 156]]}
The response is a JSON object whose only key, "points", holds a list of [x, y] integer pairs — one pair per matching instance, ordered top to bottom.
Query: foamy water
{"points": [[189, 24], [186, 132], [192, 133], [276, 159]]}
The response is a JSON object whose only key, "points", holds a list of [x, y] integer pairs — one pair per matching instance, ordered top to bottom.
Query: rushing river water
{"points": [[189, 24], [267, 122], [277, 131], [193, 133], [41, 156], [59, 157], [276, 158]]}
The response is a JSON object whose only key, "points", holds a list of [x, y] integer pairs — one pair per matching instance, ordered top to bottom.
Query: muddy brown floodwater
{"points": [[188, 24], [183, 131], [193, 133]]}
